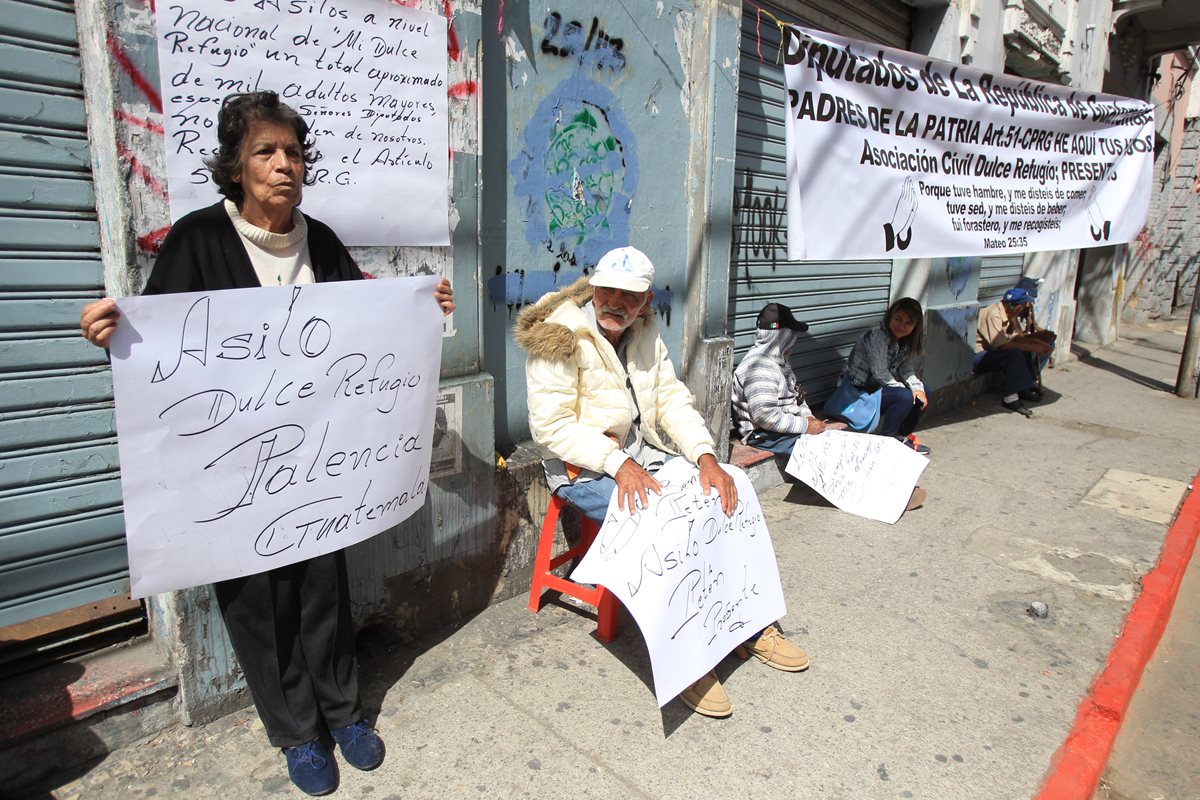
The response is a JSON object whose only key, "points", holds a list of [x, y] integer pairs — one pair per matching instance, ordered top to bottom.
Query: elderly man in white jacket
{"points": [[600, 385]]}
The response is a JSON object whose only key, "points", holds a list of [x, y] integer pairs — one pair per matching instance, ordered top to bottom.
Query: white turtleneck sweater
{"points": [[279, 258]]}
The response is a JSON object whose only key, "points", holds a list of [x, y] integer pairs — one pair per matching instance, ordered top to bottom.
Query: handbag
{"points": [[858, 407]]}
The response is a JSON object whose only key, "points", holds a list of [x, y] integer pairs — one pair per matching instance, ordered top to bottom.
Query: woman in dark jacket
{"points": [[880, 362], [290, 626]]}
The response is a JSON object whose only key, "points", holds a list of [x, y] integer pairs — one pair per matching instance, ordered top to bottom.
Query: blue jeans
{"points": [[898, 414], [779, 443], [590, 497]]}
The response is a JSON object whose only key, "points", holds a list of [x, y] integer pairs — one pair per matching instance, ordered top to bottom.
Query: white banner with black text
{"points": [[893, 155]]}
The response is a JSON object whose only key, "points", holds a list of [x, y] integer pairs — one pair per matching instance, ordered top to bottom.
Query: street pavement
{"points": [[929, 677]]}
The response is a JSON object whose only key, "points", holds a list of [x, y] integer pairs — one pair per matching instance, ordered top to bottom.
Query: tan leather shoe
{"points": [[917, 499], [774, 651], [707, 696]]}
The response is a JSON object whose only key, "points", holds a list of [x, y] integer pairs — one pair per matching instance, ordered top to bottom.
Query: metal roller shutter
{"points": [[998, 274], [838, 299], [61, 529]]}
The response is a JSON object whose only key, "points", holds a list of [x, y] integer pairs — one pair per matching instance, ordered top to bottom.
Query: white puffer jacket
{"points": [[578, 406]]}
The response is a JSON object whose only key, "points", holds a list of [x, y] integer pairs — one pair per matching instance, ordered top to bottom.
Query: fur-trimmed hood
{"points": [[540, 337]]}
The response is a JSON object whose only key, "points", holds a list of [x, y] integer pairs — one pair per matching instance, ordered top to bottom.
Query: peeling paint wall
{"points": [[591, 143], [1162, 272]]}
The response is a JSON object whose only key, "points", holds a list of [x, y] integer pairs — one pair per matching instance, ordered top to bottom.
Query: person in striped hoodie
{"points": [[769, 408]]}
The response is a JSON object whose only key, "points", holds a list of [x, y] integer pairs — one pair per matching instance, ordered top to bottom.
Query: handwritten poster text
{"points": [[368, 76], [261, 427], [870, 476], [697, 582]]}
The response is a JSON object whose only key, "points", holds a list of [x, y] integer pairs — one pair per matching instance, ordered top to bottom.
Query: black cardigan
{"points": [[203, 252]]}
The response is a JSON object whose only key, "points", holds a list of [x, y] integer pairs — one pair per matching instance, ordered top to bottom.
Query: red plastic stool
{"points": [[604, 601]]}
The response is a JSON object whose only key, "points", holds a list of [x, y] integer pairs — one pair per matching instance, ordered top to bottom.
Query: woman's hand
{"points": [[444, 296], [98, 321], [920, 397]]}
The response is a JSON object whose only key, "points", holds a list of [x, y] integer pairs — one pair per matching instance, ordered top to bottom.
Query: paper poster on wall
{"points": [[369, 77], [891, 154], [260, 427], [447, 434], [697, 582]]}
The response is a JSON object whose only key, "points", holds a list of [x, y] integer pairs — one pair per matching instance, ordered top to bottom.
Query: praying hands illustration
{"points": [[1099, 226], [898, 232]]}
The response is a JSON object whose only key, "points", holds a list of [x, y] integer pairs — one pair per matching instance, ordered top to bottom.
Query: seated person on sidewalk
{"points": [[1029, 325], [1001, 346], [880, 362], [600, 386], [769, 409]]}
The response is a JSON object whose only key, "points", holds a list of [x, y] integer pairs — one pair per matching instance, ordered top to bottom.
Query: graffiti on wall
{"points": [[595, 48], [576, 174], [759, 219], [958, 273]]}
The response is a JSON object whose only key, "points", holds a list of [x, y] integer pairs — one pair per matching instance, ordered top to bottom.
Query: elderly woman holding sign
{"points": [[291, 626]]}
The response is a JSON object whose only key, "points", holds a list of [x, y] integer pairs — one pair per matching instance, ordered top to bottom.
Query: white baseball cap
{"points": [[624, 268]]}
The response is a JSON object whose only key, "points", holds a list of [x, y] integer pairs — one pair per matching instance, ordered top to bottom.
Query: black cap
{"points": [[777, 315]]}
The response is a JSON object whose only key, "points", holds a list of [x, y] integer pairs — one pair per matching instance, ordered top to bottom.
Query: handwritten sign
{"points": [[368, 76], [893, 155], [261, 427], [869, 476], [697, 582]]}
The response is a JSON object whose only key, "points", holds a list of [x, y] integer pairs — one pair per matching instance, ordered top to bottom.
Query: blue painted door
{"points": [[61, 529]]}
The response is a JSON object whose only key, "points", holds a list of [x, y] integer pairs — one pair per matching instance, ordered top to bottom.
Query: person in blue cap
{"points": [[1029, 324], [1002, 344]]}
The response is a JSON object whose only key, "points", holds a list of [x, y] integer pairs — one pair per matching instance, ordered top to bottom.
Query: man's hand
{"points": [[98, 321], [1044, 335], [1036, 344], [920, 398], [815, 426], [712, 476], [634, 484]]}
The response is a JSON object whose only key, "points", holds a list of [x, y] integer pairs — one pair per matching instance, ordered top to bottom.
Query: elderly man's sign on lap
{"points": [[698, 583]]}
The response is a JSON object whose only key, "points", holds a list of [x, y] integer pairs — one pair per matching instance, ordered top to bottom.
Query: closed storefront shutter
{"points": [[998, 274], [837, 299], [61, 530]]}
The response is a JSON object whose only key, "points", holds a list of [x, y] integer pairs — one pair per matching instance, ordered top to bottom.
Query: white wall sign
{"points": [[369, 77], [893, 155], [260, 427], [870, 476], [697, 582]]}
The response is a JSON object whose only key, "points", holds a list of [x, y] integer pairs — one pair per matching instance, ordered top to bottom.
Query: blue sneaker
{"points": [[360, 744], [311, 768]]}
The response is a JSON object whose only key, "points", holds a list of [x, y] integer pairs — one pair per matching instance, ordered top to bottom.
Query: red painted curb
{"points": [[1076, 768]]}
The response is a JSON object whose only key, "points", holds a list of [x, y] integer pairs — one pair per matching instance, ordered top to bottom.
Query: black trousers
{"points": [[1019, 368], [292, 632]]}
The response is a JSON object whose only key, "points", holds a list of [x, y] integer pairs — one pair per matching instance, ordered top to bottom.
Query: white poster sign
{"points": [[369, 77], [893, 155], [260, 427], [870, 476], [697, 582]]}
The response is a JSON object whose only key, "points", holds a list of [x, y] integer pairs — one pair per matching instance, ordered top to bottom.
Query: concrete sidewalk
{"points": [[929, 679]]}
